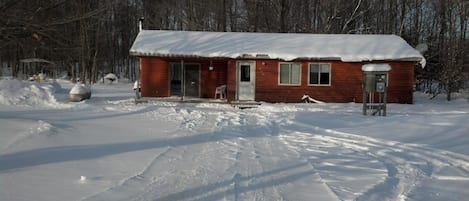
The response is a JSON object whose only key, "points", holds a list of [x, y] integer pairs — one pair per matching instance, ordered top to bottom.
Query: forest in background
{"points": [[88, 38]]}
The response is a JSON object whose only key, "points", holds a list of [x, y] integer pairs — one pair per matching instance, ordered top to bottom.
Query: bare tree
{"points": [[93, 37]]}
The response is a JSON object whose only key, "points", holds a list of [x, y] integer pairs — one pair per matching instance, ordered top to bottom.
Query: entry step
{"points": [[245, 104]]}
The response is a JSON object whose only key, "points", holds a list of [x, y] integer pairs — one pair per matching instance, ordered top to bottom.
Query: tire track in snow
{"points": [[37, 129], [313, 152], [406, 164], [246, 166], [242, 168], [190, 169], [194, 171], [260, 173], [140, 177], [203, 177], [265, 177]]}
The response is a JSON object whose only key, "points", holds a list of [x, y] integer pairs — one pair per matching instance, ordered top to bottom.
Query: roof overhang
{"points": [[265, 57]]}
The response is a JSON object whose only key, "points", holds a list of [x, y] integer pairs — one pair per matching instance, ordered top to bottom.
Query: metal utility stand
{"points": [[375, 84]]}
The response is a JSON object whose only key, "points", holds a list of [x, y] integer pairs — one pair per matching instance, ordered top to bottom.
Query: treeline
{"points": [[89, 37], [85, 38]]}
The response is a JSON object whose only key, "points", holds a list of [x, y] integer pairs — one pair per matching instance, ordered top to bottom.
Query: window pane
{"points": [[314, 68], [325, 68], [175, 70], [245, 73], [284, 73], [295, 74], [314, 74], [325, 74], [324, 78], [175, 79]]}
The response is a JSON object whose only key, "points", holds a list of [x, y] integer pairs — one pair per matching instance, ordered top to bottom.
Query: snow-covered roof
{"points": [[285, 46], [376, 67]]}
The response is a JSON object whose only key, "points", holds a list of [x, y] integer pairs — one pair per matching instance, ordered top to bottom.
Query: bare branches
{"points": [[352, 16], [100, 33]]}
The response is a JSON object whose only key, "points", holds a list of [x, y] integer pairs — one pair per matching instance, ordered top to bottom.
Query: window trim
{"points": [[290, 64], [309, 74]]}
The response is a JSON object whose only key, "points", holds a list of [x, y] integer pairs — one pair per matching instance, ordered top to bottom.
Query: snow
{"points": [[285, 46], [376, 67], [111, 76], [80, 88], [15, 92], [308, 99], [108, 148]]}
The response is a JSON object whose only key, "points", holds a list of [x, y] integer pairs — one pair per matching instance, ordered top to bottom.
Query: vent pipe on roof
{"points": [[140, 22]]}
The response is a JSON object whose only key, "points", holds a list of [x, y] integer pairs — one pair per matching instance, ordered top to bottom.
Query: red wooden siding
{"points": [[154, 77], [210, 79], [346, 80], [231, 81], [401, 82], [346, 83]]}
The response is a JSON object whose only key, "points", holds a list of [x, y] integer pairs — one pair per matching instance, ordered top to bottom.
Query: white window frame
{"points": [[319, 74], [289, 84]]}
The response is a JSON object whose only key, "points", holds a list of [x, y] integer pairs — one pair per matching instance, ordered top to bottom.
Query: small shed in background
{"points": [[38, 69]]}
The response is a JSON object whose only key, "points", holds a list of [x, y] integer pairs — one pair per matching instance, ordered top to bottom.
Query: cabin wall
{"points": [[154, 77], [210, 79], [346, 80], [231, 81], [401, 82], [345, 86]]}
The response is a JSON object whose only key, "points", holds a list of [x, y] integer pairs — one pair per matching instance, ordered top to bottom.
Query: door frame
{"points": [[183, 76], [252, 76]]}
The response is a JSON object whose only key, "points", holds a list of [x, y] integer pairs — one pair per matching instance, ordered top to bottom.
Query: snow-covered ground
{"points": [[108, 148]]}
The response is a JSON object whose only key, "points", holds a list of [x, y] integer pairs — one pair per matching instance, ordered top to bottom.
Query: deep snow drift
{"points": [[15, 92], [108, 148]]}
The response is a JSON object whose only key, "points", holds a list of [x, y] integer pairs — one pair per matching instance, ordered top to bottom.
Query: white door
{"points": [[246, 79]]}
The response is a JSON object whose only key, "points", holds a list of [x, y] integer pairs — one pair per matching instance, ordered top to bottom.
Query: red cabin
{"points": [[270, 67]]}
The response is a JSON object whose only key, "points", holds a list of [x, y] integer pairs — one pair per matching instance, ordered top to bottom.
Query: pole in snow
{"points": [[183, 82]]}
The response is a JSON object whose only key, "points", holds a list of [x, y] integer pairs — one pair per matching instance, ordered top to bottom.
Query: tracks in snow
{"points": [[243, 156], [406, 165], [265, 169], [131, 184]]}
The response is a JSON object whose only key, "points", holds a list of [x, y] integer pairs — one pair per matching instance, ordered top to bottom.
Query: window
{"points": [[175, 71], [245, 73], [289, 74], [319, 74], [175, 77]]}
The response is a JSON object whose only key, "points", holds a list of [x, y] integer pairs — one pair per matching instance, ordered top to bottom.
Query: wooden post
{"points": [[183, 83]]}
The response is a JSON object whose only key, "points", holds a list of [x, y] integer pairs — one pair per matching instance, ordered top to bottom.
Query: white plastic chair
{"points": [[220, 90]]}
